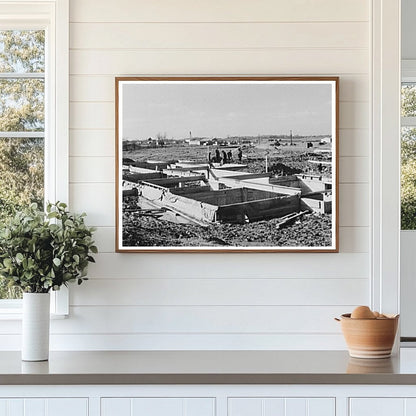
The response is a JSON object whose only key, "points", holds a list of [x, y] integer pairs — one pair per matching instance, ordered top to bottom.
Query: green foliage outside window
{"points": [[21, 110], [408, 160], [408, 179]]}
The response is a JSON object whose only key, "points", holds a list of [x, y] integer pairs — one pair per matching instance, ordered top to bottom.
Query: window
{"points": [[33, 112], [22, 124], [408, 154]]}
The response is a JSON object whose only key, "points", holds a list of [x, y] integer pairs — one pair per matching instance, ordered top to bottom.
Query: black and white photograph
{"points": [[227, 164]]}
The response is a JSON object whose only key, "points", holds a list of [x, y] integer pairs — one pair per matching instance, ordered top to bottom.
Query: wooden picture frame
{"points": [[227, 164]]}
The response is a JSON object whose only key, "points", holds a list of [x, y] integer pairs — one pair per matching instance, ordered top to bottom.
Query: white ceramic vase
{"points": [[35, 326]]}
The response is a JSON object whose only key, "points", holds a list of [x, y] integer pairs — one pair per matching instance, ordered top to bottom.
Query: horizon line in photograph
{"points": [[182, 110], [163, 136]]}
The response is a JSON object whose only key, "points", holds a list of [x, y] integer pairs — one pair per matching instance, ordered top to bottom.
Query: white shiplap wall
{"points": [[218, 301]]}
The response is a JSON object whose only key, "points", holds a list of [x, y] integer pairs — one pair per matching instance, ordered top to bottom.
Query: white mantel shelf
{"points": [[207, 367]]}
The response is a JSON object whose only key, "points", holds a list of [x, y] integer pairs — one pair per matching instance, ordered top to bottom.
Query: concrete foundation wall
{"points": [[153, 166], [137, 169], [180, 172], [136, 176], [290, 181], [173, 182], [236, 183], [313, 183], [190, 190], [233, 196], [230, 205], [319, 205], [259, 210], [199, 211]]}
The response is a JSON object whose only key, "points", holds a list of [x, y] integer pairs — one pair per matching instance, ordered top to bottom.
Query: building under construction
{"points": [[204, 193]]}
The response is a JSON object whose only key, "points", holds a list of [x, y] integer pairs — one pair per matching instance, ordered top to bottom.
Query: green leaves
{"points": [[21, 174], [408, 183], [43, 251], [7, 263]]}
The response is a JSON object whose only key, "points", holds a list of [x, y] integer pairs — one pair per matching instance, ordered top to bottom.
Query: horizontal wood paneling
{"points": [[218, 11], [218, 35], [269, 37], [219, 62], [92, 88], [99, 88], [353, 115], [92, 116], [354, 142], [95, 143], [92, 169], [354, 170], [97, 200], [354, 205], [105, 239], [354, 239], [249, 265], [220, 291], [202, 319], [194, 320], [146, 342]]}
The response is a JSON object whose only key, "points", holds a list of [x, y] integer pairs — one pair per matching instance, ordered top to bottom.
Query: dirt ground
{"points": [[312, 230]]}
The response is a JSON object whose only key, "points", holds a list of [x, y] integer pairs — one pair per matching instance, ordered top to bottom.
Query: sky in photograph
{"points": [[221, 110]]}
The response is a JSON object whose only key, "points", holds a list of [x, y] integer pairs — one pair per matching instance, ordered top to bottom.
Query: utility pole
{"points": [[291, 138]]}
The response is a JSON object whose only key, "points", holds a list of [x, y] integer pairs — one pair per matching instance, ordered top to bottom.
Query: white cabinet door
{"points": [[160, 406], [269, 406], [382, 406], [44, 407], [377, 407]]}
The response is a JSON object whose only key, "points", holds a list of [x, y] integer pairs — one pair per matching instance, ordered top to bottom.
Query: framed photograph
{"points": [[227, 164]]}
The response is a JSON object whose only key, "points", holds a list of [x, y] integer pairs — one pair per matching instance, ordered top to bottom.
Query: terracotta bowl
{"points": [[369, 338]]}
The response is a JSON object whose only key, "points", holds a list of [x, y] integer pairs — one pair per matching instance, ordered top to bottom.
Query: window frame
{"points": [[53, 17], [385, 156]]}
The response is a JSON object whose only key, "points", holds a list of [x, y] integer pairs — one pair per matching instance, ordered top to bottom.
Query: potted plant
{"points": [[40, 252]]}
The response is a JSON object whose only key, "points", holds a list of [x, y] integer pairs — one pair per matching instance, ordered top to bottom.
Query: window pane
{"points": [[22, 51], [22, 104], [408, 104], [21, 109], [21, 173], [408, 178], [21, 182]]}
